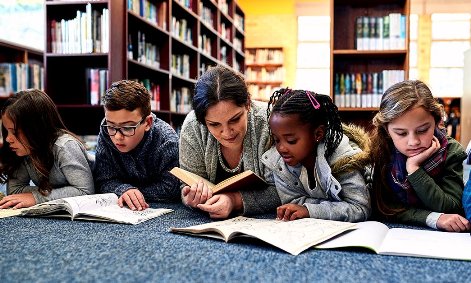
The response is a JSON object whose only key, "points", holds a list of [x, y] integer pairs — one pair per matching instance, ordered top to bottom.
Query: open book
{"points": [[234, 183], [99, 207], [290, 236], [404, 242]]}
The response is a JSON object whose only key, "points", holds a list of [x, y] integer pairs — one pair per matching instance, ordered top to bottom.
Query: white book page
{"points": [[81, 204], [123, 214], [223, 230], [369, 234], [295, 236], [425, 243]]}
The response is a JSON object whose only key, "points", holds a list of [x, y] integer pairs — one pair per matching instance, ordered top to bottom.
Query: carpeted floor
{"points": [[52, 250]]}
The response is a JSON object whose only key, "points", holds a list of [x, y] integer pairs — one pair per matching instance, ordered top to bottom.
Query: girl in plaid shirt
{"points": [[418, 171]]}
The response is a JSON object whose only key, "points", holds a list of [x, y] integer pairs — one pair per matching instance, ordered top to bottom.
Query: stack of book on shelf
{"points": [[156, 13], [86, 33], [381, 33], [18, 76], [97, 82], [364, 90], [180, 100]]}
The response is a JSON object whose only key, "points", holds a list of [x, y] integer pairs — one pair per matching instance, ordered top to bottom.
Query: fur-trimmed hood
{"points": [[358, 139]]}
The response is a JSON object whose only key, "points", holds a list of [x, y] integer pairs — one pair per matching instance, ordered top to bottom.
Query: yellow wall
{"points": [[273, 23]]}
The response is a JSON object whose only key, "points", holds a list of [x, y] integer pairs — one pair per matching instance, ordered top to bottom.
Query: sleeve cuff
{"points": [[432, 220]]}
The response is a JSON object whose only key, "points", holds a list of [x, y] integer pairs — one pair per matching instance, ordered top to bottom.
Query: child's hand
{"points": [[413, 163], [196, 194], [134, 199], [18, 201], [291, 211], [453, 223]]}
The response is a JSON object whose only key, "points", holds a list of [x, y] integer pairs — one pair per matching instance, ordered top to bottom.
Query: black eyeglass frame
{"points": [[107, 128]]}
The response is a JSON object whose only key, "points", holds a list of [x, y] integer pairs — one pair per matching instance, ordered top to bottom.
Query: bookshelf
{"points": [[163, 44], [369, 53], [21, 67], [264, 71]]}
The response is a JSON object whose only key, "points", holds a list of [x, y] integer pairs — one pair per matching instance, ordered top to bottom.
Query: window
{"points": [[414, 24], [451, 36], [313, 63]]}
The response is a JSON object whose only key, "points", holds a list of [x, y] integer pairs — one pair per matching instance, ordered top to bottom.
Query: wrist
{"points": [[236, 199]]}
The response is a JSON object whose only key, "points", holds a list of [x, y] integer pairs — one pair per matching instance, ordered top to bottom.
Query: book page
{"points": [[188, 177], [239, 181], [85, 203], [46, 208], [9, 212], [114, 213], [369, 234], [290, 236], [425, 243]]}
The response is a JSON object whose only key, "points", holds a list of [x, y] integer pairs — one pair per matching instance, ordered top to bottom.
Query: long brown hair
{"points": [[396, 100], [35, 115]]}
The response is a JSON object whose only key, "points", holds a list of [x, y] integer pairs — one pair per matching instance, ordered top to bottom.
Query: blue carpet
{"points": [[51, 250]]}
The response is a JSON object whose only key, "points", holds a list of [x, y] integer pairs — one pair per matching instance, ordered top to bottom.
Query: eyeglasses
{"points": [[127, 131]]}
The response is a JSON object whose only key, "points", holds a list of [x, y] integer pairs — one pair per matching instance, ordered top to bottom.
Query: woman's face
{"points": [[227, 122], [15, 138]]}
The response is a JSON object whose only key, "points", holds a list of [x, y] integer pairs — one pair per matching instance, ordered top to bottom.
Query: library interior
{"points": [[350, 50]]}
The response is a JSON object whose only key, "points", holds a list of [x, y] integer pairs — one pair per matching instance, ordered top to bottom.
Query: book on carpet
{"points": [[237, 182], [97, 207], [9, 212], [291, 236], [383, 240]]}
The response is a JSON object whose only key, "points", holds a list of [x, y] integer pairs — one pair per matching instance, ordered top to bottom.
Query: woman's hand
{"points": [[413, 163], [196, 194], [134, 199], [18, 201], [222, 205], [291, 211], [453, 223]]}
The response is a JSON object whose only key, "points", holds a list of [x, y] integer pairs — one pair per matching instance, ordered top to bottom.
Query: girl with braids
{"points": [[37, 147], [317, 165], [418, 171]]}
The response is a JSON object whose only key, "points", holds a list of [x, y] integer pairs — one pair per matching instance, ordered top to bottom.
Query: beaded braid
{"points": [[288, 101]]}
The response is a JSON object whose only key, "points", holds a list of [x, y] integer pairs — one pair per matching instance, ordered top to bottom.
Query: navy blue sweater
{"points": [[145, 167]]}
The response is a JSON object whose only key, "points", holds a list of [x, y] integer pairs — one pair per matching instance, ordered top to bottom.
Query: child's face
{"points": [[126, 118], [227, 122], [412, 132], [15, 138], [296, 142]]}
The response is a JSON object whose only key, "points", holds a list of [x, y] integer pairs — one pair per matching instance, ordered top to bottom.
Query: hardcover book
{"points": [[236, 182]]}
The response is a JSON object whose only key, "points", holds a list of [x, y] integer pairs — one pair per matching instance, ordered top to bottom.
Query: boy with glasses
{"points": [[135, 149]]}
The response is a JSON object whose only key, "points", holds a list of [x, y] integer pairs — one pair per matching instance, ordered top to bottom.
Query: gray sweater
{"points": [[198, 154], [146, 167], [71, 174], [345, 198]]}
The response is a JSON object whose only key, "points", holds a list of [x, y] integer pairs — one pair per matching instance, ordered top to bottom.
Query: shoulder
{"points": [[258, 111], [163, 129], [67, 140], [455, 149], [271, 157]]}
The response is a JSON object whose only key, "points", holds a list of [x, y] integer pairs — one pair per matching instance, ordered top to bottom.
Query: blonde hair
{"points": [[396, 100]]}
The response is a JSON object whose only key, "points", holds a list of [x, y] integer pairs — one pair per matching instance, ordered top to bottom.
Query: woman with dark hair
{"points": [[225, 134], [38, 148]]}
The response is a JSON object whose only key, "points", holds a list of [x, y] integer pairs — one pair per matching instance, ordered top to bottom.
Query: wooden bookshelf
{"points": [[160, 46], [16, 58], [381, 60], [264, 71]]}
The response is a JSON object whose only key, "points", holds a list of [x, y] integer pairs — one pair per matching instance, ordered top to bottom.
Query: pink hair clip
{"points": [[313, 100]]}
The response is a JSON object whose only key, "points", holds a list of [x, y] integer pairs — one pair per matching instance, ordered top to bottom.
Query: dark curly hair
{"points": [[289, 101]]}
